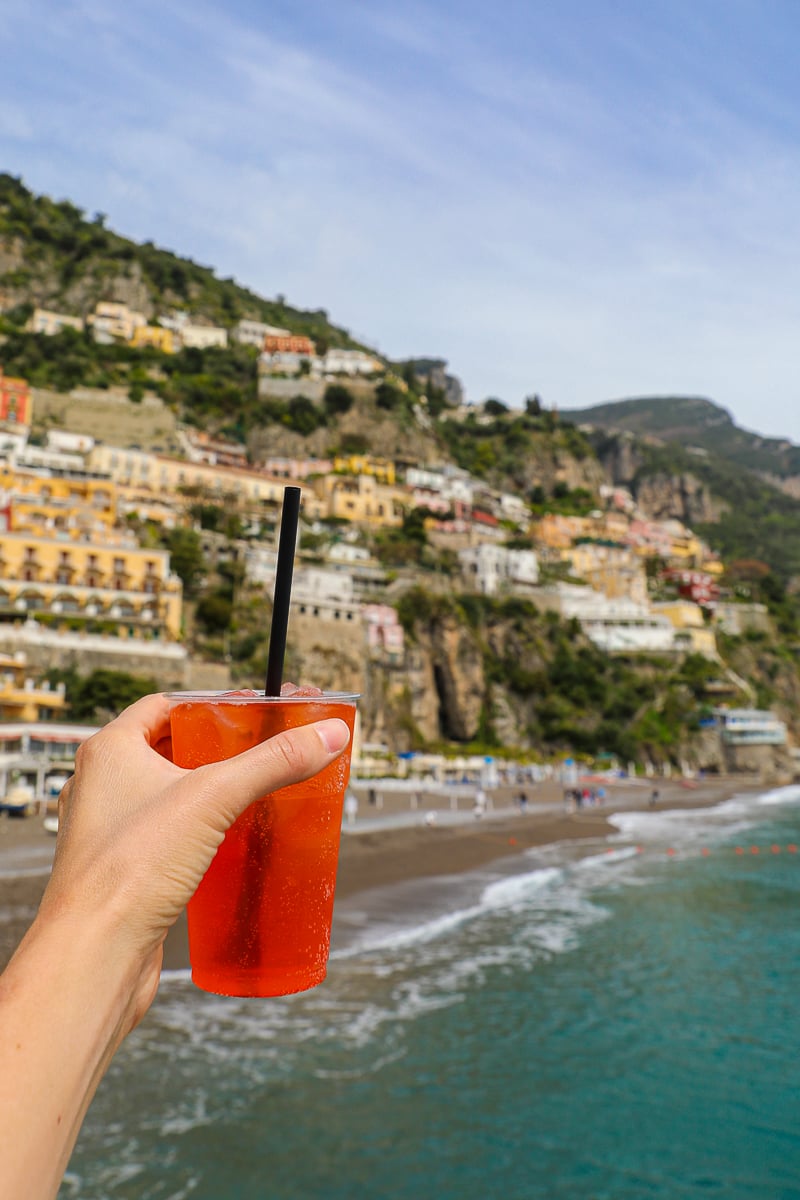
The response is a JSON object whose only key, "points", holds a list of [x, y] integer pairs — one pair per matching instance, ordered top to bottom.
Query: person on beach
{"points": [[136, 835]]}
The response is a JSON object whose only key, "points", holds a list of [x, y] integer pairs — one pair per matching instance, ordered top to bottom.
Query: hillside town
{"points": [[80, 583]]}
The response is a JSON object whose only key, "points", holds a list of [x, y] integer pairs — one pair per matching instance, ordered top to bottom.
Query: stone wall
{"points": [[43, 649]]}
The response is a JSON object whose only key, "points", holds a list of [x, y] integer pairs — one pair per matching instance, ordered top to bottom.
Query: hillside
{"points": [[51, 255], [694, 421], [482, 674]]}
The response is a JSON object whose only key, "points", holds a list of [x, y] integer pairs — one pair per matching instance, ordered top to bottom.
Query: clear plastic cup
{"points": [[260, 921]]}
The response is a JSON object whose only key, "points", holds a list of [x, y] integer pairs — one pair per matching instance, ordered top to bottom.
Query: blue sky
{"points": [[586, 199]]}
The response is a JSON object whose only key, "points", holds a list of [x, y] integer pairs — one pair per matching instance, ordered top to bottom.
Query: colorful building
{"points": [[112, 319], [155, 337], [288, 343], [16, 405], [364, 464], [171, 476], [360, 498], [57, 503], [115, 584], [699, 586], [691, 632], [21, 698]]}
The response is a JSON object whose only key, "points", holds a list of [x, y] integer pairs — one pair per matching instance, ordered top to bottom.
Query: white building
{"points": [[112, 319], [49, 323], [188, 333], [252, 333], [201, 337], [288, 362], [349, 362], [62, 441], [40, 458], [513, 508], [348, 552], [490, 568], [317, 592], [614, 625], [750, 727]]}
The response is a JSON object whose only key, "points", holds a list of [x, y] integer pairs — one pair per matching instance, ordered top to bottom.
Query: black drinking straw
{"points": [[290, 515], [248, 906]]}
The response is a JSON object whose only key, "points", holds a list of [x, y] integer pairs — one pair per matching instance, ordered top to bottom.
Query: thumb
{"points": [[227, 787]]}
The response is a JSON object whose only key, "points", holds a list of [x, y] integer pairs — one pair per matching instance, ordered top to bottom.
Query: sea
{"points": [[614, 1021]]}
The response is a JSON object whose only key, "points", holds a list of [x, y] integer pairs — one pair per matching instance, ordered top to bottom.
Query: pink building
{"points": [[384, 632]]}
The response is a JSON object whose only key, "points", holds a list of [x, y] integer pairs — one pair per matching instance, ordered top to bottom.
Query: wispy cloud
{"points": [[587, 201]]}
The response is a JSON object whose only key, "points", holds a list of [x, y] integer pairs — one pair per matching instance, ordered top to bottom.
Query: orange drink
{"points": [[260, 921]]}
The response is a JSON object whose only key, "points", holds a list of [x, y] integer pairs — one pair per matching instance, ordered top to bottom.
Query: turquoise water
{"points": [[617, 1027]]}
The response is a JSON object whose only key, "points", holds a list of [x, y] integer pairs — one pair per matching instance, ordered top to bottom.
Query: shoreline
{"points": [[385, 854]]}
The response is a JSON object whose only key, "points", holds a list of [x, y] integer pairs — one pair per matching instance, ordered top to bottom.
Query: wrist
{"points": [[84, 959], [68, 998]]}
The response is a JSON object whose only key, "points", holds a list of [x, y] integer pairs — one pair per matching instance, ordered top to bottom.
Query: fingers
{"points": [[148, 716], [289, 757]]}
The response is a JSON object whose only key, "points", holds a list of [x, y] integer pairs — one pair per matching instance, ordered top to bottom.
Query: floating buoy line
{"points": [[672, 852]]}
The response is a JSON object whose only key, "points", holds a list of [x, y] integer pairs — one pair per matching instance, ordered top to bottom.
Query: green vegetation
{"points": [[72, 262], [694, 421], [505, 450], [755, 513], [102, 693], [574, 698]]}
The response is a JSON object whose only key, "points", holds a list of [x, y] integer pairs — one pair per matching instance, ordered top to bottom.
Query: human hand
{"points": [[137, 833]]}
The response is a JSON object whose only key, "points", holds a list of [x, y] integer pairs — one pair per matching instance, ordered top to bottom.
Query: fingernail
{"points": [[334, 733]]}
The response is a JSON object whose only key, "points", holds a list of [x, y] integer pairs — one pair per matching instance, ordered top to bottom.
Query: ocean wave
{"points": [[783, 795], [687, 826]]}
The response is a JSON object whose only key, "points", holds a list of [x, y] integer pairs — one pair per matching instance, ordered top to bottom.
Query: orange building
{"points": [[290, 343], [16, 407]]}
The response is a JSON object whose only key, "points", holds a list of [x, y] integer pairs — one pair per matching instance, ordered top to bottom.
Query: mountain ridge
{"points": [[699, 422]]}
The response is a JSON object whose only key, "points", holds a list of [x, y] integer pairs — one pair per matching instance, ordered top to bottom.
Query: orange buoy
{"points": [[792, 848], [740, 849], [775, 849], [754, 850], [670, 851], [705, 852]]}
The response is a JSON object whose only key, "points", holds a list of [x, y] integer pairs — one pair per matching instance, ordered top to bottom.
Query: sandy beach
{"points": [[380, 851]]}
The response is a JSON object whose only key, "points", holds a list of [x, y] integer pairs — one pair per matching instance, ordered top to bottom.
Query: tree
{"points": [[388, 396], [337, 399], [494, 407], [303, 416], [186, 557], [214, 613], [103, 692]]}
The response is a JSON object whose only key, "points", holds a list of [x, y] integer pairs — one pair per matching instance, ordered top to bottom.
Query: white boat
{"points": [[18, 801]]}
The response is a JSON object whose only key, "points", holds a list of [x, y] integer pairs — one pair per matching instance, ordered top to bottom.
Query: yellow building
{"points": [[155, 336], [363, 464], [172, 476], [360, 498], [58, 503], [612, 525], [558, 532], [685, 547], [616, 571], [113, 583], [692, 633], [20, 697]]}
